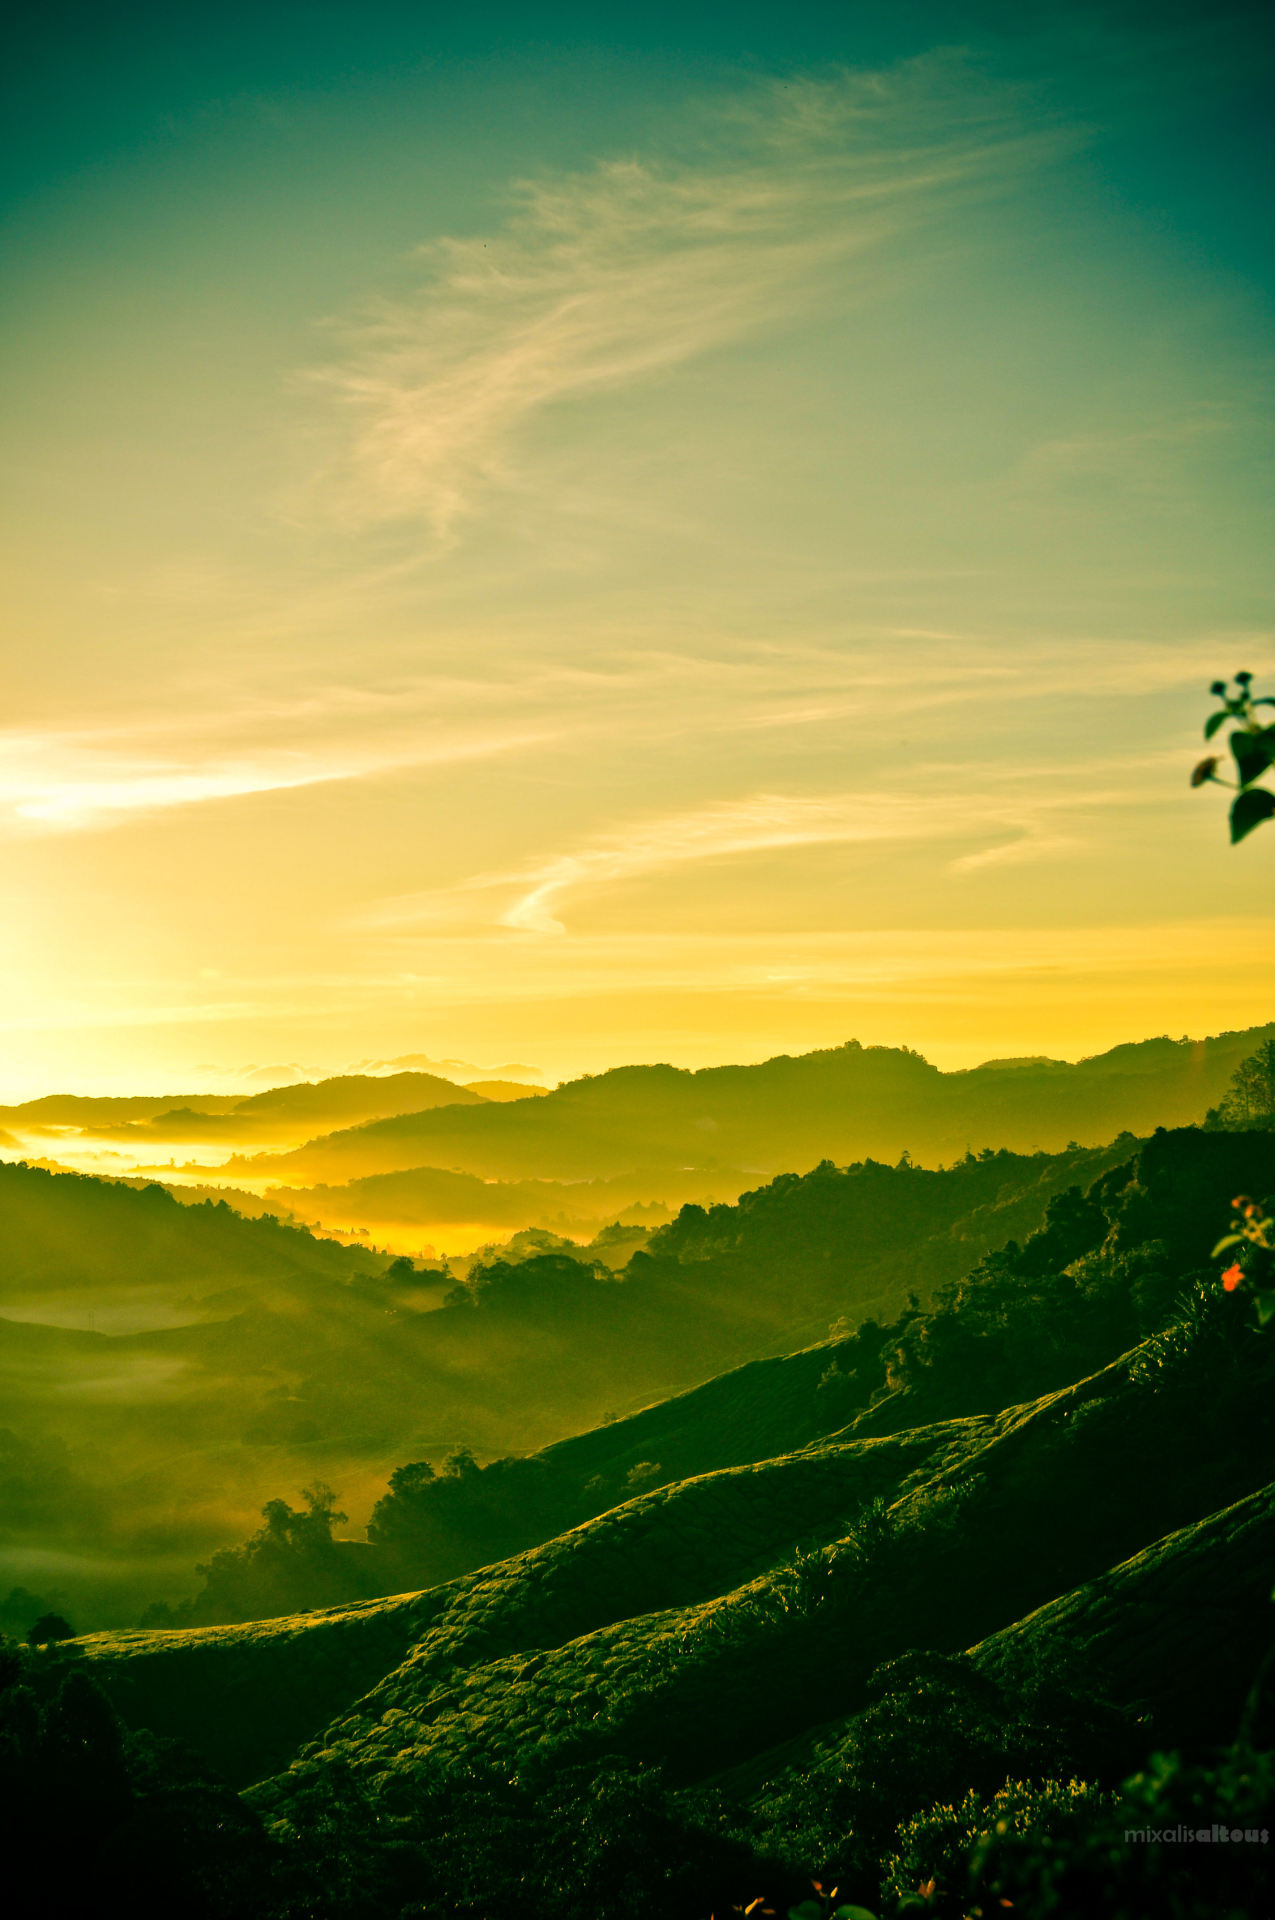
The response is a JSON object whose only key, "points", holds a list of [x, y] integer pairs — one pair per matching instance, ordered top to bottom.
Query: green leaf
{"points": [[1214, 721], [1254, 752], [1249, 811], [1227, 1240], [1265, 1307], [808, 1910], [852, 1913]]}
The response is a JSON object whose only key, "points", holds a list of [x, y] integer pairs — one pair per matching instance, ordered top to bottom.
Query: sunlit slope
{"points": [[843, 1104], [1113, 1255], [1108, 1265], [139, 1454], [743, 1600], [678, 1627], [1175, 1633], [699, 1683]]}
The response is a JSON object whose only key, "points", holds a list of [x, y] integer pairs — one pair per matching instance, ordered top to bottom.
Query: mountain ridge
{"points": [[844, 1103]]}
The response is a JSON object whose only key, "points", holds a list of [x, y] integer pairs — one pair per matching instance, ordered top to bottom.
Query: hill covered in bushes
{"points": [[205, 1364], [936, 1611]]}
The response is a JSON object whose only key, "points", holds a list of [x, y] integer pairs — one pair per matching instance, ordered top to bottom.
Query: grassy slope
{"points": [[297, 1363], [706, 1622], [675, 1628], [1135, 1635]]}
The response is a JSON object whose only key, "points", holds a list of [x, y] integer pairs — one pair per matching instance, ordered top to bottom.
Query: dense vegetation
{"points": [[1106, 1268], [258, 1360], [939, 1608], [714, 1715], [97, 1819]]}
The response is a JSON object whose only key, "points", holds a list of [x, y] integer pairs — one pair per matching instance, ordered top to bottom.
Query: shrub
{"points": [[937, 1848]]}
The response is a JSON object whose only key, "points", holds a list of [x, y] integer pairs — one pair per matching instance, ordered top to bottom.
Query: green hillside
{"points": [[845, 1103], [69, 1233], [1085, 1285], [200, 1364], [989, 1555], [682, 1631]]}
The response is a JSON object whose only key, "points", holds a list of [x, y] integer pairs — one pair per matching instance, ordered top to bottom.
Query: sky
{"points": [[581, 536]]}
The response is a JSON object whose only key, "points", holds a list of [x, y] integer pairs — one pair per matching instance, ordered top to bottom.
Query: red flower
{"points": [[1232, 1277]]}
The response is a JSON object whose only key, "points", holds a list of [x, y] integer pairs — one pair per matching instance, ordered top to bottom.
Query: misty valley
{"points": [[656, 1494]]}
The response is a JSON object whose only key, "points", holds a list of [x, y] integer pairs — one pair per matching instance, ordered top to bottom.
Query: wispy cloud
{"points": [[622, 273], [274, 736], [68, 782], [757, 825], [1017, 852], [532, 899]]}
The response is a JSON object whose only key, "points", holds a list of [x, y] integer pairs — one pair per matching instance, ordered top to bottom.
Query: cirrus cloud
{"points": [[606, 277]]}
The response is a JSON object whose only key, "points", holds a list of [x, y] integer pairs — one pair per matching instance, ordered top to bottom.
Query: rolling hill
{"points": [[845, 1103], [292, 1112], [68, 1235], [248, 1359], [857, 1598], [762, 1630]]}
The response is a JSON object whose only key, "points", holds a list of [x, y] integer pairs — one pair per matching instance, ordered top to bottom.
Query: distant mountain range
{"points": [[845, 1103], [284, 1113], [187, 1362]]}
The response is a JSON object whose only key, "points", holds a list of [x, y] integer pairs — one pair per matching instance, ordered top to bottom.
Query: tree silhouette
{"points": [[50, 1627]]}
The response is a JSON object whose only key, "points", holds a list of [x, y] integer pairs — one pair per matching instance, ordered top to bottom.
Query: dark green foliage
{"points": [[1252, 747], [1249, 1100], [920, 1222], [63, 1230], [818, 1245], [1107, 1266], [1107, 1269], [553, 1285], [332, 1372], [290, 1564], [748, 1626], [49, 1628], [934, 1729], [94, 1820], [557, 1843], [1218, 1858], [931, 1870]]}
